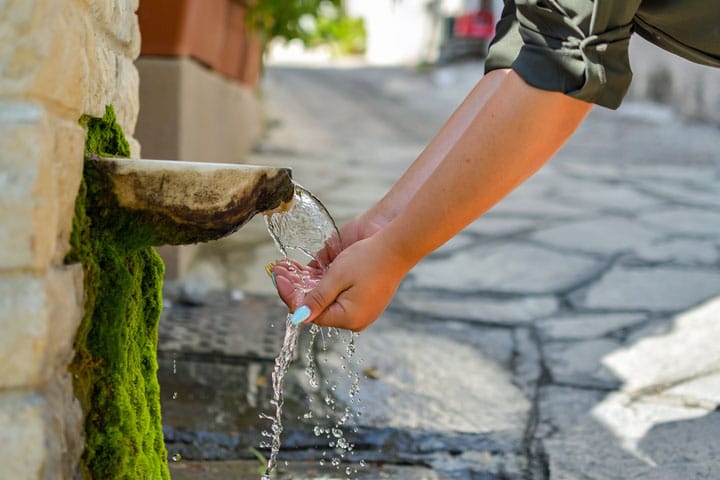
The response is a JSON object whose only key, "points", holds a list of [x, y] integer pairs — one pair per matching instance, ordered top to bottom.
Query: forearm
{"points": [[516, 130], [415, 176]]}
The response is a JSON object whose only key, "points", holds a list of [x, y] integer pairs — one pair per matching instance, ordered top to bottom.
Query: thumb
{"points": [[317, 300]]}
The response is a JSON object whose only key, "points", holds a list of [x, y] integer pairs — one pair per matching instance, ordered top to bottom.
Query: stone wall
{"points": [[59, 59]]}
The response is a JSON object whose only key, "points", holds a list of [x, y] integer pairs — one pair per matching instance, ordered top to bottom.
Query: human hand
{"points": [[359, 228], [352, 293]]}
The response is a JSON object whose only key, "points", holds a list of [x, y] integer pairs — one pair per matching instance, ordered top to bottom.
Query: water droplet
{"points": [[174, 395], [176, 457]]}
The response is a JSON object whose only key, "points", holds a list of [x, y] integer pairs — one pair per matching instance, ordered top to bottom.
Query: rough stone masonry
{"points": [[59, 60]]}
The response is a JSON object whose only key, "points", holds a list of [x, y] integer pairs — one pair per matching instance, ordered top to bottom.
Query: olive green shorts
{"points": [[580, 47]]}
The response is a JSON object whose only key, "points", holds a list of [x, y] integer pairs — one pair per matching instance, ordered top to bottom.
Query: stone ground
{"points": [[570, 333]]}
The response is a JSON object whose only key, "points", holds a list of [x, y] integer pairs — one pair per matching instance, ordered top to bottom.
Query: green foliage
{"points": [[314, 22], [346, 35], [115, 365]]}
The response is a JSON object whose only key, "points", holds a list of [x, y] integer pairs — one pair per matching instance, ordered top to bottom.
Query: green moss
{"points": [[115, 365]]}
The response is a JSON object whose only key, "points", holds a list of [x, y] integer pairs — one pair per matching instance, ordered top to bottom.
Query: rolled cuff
{"points": [[592, 68]]}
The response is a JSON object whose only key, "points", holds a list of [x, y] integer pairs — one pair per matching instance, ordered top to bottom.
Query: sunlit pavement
{"points": [[572, 332]]}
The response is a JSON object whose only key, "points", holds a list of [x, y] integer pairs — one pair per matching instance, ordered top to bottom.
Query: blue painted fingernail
{"points": [[272, 277], [300, 315]]}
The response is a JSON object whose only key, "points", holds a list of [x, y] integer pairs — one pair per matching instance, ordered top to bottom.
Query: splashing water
{"points": [[299, 232]]}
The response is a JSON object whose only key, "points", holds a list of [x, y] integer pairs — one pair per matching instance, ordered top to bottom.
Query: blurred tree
{"points": [[314, 22]]}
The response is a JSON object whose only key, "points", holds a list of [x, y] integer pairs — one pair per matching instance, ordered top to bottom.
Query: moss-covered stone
{"points": [[115, 365]]}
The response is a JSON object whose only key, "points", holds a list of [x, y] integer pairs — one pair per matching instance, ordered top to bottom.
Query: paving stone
{"points": [[600, 195], [707, 196], [527, 206], [685, 221], [497, 226], [606, 235], [680, 251], [510, 267], [653, 289], [503, 311], [586, 326], [687, 350], [581, 363], [428, 382], [704, 391], [632, 420], [586, 439], [223, 470]]}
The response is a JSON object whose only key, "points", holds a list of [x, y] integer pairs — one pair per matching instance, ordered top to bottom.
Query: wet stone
{"points": [[510, 267], [652, 288], [502, 311], [251, 328], [224, 470]]}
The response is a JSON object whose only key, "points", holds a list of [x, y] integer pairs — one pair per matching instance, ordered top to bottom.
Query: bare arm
{"points": [[501, 134]]}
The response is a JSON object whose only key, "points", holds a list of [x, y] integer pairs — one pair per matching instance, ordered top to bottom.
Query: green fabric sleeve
{"points": [[577, 47]]}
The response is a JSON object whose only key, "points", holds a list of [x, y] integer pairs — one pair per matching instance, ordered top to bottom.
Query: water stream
{"points": [[300, 232]]}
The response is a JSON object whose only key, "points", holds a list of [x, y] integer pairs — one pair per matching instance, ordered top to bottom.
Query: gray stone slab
{"points": [[604, 196], [703, 196], [536, 207], [685, 221], [496, 226], [606, 235], [680, 251], [511, 267], [653, 289], [503, 311], [586, 326], [688, 350], [580, 363], [430, 381], [704, 390], [584, 438], [238, 469]]}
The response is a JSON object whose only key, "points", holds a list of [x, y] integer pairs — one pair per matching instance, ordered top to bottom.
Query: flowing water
{"points": [[300, 232]]}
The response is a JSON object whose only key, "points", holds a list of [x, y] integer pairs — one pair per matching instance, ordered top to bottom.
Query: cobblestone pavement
{"points": [[570, 333]]}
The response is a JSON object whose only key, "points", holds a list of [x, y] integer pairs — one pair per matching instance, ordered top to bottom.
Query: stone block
{"points": [[117, 18], [42, 44], [62, 74], [113, 81], [68, 169], [28, 213], [511, 267], [39, 318], [22, 436]]}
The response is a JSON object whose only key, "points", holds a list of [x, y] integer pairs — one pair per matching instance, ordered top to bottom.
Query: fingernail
{"points": [[268, 269], [272, 277], [300, 315]]}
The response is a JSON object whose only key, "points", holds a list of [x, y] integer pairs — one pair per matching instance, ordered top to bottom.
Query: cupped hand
{"points": [[359, 228], [353, 292]]}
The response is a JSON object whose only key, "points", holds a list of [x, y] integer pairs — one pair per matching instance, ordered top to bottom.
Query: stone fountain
{"points": [[123, 209]]}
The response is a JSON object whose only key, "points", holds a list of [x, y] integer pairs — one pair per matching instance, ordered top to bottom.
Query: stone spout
{"points": [[173, 203]]}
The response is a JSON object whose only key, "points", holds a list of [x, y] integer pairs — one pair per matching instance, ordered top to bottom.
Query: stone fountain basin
{"points": [[189, 202]]}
